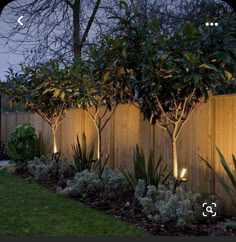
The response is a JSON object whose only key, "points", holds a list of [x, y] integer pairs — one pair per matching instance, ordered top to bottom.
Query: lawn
{"points": [[29, 209]]}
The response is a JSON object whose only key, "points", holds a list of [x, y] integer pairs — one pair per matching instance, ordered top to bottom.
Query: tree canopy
{"points": [[169, 74], [173, 74], [36, 89]]}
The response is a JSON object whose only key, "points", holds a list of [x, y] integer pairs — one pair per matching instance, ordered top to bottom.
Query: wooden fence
{"points": [[213, 124]]}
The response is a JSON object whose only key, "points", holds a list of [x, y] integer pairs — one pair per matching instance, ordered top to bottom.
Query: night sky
{"points": [[8, 57]]}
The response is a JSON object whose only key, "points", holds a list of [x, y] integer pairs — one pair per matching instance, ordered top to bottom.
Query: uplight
{"points": [[182, 174]]}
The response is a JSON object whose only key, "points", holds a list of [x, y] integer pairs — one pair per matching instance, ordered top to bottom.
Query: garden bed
{"points": [[130, 211]]}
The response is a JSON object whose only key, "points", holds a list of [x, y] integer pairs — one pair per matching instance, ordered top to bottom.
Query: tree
{"points": [[52, 29], [190, 68], [173, 75], [99, 84], [103, 86], [32, 87]]}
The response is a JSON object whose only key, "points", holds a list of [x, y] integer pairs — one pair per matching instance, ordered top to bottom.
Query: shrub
{"points": [[21, 144], [3, 153], [42, 168], [46, 168], [65, 168], [151, 173], [114, 181], [83, 183], [161, 205], [230, 224]]}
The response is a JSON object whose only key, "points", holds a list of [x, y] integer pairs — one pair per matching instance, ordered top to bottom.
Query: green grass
{"points": [[29, 209]]}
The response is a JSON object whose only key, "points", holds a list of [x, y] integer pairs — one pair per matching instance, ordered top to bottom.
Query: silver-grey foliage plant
{"points": [[42, 168], [83, 183], [162, 205]]}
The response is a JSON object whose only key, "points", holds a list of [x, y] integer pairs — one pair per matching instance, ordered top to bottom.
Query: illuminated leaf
{"points": [[124, 53], [164, 57], [205, 66], [209, 66], [121, 71], [228, 75], [106, 76], [43, 84], [48, 90], [56, 93], [62, 96]]}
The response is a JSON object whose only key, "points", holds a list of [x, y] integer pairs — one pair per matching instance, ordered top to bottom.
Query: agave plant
{"points": [[82, 159], [152, 173], [230, 190]]}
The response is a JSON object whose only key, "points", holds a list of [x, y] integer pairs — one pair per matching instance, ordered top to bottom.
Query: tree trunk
{"points": [[76, 31], [54, 140], [99, 146], [174, 150], [99, 151], [174, 157]]}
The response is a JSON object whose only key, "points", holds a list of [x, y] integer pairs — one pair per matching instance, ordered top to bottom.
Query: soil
{"points": [[124, 207]]}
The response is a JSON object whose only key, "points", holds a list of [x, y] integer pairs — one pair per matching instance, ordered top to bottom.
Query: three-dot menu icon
{"points": [[212, 24]]}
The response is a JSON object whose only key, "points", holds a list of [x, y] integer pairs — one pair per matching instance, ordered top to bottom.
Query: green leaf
{"points": [[155, 24], [188, 29], [223, 56], [193, 59], [146, 74], [188, 78], [196, 78], [234, 161], [227, 169], [227, 189], [230, 192]]}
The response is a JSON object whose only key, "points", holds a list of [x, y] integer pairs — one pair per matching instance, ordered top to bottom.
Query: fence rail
{"points": [[213, 124]]}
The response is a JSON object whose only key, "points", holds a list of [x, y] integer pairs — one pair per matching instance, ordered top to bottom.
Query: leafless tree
{"points": [[171, 13], [56, 28], [63, 29]]}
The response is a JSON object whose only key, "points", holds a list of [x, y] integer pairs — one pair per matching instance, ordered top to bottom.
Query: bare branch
{"points": [[69, 3], [90, 21], [163, 111], [107, 120]]}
